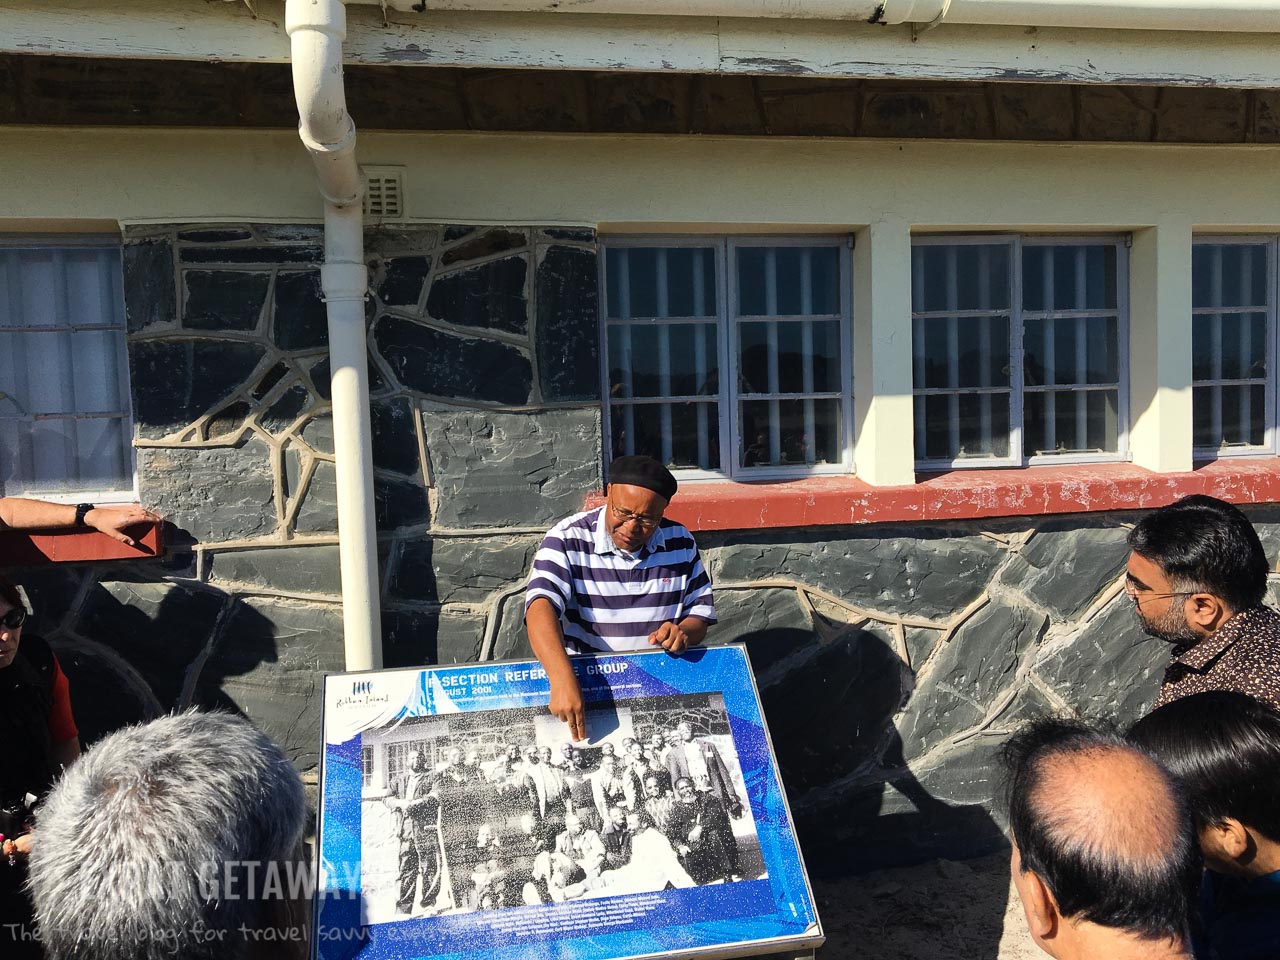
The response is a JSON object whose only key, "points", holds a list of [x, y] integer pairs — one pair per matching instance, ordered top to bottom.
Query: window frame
{"points": [[725, 248], [1017, 386], [1271, 402], [128, 491]]}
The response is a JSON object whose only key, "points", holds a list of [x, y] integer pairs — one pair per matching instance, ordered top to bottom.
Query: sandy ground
{"points": [[944, 909]]}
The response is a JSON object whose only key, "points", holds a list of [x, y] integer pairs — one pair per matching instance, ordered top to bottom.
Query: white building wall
{"points": [[880, 191]]}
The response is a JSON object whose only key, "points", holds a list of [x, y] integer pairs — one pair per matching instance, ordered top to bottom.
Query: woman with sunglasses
{"points": [[39, 737]]}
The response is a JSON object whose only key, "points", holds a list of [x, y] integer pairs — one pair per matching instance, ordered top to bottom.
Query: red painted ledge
{"points": [[965, 495], [31, 548]]}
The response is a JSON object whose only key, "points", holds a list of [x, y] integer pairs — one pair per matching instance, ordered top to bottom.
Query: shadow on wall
{"points": [[135, 646], [830, 714]]}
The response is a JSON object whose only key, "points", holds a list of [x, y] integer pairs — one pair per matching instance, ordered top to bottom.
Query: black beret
{"points": [[640, 471]]}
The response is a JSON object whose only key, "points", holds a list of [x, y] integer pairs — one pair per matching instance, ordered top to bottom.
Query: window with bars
{"points": [[1232, 329], [1019, 346], [730, 357], [65, 427], [366, 766]]}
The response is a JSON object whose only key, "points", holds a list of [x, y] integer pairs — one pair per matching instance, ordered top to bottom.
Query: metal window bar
{"points": [[87, 268], [115, 296], [951, 316], [917, 348], [806, 350], [984, 350], [953, 353], [664, 355], [700, 355], [1050, 355], [1215, 356], [1082, 359], [1057, 381], [628, 382], [1210, 388], [724, 391], [1245, 410], [622, 412], [70, 439], [1059, 452], [23, 454]]}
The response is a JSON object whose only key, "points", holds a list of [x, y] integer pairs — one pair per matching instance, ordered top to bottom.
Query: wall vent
{"points": [[384, 193]]}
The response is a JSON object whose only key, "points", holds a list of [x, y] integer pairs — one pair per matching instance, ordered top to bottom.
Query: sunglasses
{"points": [[14, 618]]}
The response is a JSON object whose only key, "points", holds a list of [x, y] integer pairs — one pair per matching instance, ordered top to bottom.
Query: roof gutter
{"points": [[1212, 16], [316, 29]]}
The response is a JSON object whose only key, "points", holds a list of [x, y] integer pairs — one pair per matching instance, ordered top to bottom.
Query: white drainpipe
{"points": [[1253, 16], [316, 30]]}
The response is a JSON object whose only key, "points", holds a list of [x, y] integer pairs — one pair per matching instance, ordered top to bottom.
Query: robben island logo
{"points": [[362, 695]]}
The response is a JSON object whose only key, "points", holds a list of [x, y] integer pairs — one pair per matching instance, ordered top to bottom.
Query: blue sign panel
{"points": [[458, 820]]}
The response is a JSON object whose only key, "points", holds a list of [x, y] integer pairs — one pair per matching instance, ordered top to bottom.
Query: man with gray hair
{"points": [[178, 838]]}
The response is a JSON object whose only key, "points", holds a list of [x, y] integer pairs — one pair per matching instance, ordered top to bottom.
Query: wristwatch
{"points": [[82, 510]]}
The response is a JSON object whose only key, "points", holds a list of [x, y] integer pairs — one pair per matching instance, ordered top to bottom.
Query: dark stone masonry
{"points": [[892, 659]]}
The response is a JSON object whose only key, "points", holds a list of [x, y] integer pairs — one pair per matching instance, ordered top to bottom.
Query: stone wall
{"points": [[484, 377], [892, 659]]}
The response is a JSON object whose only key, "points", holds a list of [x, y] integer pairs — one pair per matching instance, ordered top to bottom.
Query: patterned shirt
{"points": [[611, 600], [1242, 655]]}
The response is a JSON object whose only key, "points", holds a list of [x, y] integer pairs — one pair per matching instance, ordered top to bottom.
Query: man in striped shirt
{"points": [[620, 577]]}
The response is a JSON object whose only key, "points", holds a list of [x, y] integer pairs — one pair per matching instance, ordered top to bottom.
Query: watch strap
{"points": [[82, 510]]}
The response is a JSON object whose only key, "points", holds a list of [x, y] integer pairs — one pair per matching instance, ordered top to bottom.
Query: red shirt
{"points": [[62, 725]]}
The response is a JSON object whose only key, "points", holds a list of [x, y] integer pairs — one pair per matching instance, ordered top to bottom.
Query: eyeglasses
{"points": [[641, 521], [1135, 591], [14, 618]]}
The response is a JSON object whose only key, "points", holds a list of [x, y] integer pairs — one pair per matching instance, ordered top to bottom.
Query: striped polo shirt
{"points": [[609, 600]]}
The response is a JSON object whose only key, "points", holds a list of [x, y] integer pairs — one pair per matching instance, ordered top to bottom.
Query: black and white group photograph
{"points": [[494, 809]]}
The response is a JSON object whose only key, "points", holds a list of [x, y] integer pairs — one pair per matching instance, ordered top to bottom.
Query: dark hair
{"points": [[1206, 545], [9, 593], [1225, 749], [1080, 858]]}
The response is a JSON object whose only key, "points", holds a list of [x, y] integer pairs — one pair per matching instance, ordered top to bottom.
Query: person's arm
{"points": [[18, 513], [548, 595], [691, 629], [676, 638], [546, 639], [62, 724], [67, 752], [19, 846]]}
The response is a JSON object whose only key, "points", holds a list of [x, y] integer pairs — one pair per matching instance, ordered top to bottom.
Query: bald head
{"points": [[1109, 798], [1104, 827]]}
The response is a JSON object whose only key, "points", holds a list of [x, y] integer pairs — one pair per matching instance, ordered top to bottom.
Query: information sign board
{"points": [[456, 820]]}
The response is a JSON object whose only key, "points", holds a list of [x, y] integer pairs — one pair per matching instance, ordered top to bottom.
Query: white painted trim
{"points": [[1261, 16], [575, 41], [884, 422]]}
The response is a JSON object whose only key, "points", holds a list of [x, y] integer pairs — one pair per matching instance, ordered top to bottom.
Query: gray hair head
{"points": [[148, 841]]}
